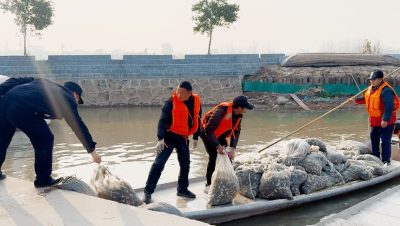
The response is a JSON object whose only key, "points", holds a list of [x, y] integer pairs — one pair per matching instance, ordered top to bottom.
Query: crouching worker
{"points": [[24, 104], [180, 118], [221, 123]]}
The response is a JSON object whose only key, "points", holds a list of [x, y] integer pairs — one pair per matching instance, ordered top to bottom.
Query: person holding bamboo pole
{"points": [[382, 104]]}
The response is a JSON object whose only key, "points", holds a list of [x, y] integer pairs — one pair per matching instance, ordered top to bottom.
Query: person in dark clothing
{"points": [[24, 104], [382, 104], [180, 118], [221, 123]]}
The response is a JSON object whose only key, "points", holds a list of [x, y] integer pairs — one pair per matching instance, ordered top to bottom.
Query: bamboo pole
{"points": [[334, 109]]}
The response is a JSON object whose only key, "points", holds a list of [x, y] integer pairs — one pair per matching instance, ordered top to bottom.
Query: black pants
{"points": [[14, 115], [385, 135], [182, 150], [212, 154]]}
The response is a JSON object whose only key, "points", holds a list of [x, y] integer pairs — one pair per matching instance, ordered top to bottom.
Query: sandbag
{"points": [[316, 142], [351, 145], [296, 150], [272, 151], [350, 154], [335, 157], [371, 158], [244, 159], [313, 163], [270, 164], [341, 166], [255, 167], [376, 168], [356, 172], [297, 177], [334, 177], [249, 182], [224, 183], [313, 183], [275, 185], [111, 187], [163, 207]]}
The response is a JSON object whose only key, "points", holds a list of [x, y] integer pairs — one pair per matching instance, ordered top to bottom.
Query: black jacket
{"points": [[50, 100], [165, 121], [213, 122]]}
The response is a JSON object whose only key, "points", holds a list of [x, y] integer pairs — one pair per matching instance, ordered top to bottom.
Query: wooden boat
{"points": [[243, 207]]}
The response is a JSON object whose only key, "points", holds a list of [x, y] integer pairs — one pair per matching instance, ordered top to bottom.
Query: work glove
{"points": [[195, 142], [160, 146]]}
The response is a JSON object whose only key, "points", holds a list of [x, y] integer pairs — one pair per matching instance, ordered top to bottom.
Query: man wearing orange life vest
{"points": [[382, 104], [180, 118], [221, 123]]}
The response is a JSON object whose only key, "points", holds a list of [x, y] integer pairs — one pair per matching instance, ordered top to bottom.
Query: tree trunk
{"points": [[25, 43], [209, 43]]}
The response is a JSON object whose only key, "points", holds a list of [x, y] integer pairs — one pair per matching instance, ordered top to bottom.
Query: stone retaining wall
{"points": [[139, 92]]}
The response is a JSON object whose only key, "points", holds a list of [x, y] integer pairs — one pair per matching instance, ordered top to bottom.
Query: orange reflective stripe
{"points": [[180, 115]]}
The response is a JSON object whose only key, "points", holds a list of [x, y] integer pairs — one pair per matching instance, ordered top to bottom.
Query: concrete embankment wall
{"points": [[144, 79], [151, 79]]}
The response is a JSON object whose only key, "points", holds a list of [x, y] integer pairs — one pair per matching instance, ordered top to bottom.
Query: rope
{"points": [[16, 70], [334, 109]]}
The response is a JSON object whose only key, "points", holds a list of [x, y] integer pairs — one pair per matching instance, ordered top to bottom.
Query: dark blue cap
{"points": [[376, 74], [75, 88], [241, 101]]}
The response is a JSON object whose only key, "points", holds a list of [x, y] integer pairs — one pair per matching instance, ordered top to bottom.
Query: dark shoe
{"points": [[386, 162], [2, 176], [46, 183], [186, 194], [146, 198]]}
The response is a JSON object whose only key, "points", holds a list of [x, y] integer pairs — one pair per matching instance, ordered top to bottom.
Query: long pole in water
{"points": [[19, 66], [334, 109]]}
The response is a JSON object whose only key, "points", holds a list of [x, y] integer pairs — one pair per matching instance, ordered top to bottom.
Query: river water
{"points": [[126, 138]]}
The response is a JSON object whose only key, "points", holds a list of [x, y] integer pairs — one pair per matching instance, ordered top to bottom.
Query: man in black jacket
{"points": [[24, 103], [180, 118], [221, 123]]}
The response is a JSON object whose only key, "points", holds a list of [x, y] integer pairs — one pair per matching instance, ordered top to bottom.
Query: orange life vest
{"points": [[374, 105], [180, 115], [225, 124]]}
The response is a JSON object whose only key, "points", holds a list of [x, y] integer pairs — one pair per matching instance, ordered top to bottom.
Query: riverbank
{"points": [[314, 98], [21, 204]]}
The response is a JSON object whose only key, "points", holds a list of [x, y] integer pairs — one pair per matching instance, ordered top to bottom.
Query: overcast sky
{"points": [[264, 26]]}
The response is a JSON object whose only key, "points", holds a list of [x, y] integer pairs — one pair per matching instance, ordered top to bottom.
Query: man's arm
{"points": [[12, 82], [387, 98], [360, 100], [165, 119], [213, 124], [81, 131], [197, 133], [235, 140]]}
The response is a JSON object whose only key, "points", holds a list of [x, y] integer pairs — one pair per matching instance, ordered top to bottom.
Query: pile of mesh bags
{"points": [[303, 167]]}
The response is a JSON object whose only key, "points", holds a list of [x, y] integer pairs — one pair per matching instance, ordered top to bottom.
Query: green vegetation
{"points": [[212, 14], [30, 15]]}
